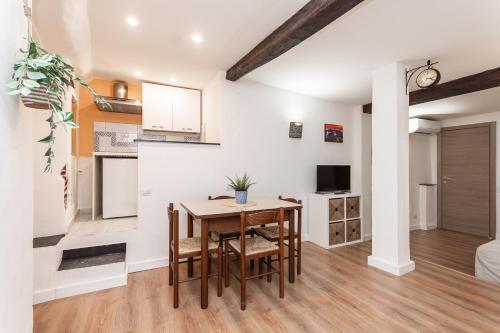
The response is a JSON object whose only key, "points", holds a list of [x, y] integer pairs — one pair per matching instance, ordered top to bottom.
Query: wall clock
{"points": [[428, 78]]}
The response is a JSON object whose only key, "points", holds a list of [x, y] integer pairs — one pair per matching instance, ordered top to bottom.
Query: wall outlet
{"points": [[147, 192]]}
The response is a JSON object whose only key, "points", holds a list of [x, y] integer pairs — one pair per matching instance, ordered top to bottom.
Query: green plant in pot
{"points": [[42, 80], [240, 187]]}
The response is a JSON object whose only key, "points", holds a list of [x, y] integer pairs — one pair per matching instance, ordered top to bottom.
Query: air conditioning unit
{"points": [[424, 126]]}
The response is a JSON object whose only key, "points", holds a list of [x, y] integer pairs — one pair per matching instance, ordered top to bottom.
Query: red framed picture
{"points": [[334, 133]]}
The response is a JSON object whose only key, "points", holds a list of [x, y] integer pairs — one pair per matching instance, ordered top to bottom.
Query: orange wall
{"points": [[90, 113]]}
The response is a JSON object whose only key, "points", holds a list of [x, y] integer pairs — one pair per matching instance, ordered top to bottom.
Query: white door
{"points": [[156, 107], [186, 110], [119, 187]]}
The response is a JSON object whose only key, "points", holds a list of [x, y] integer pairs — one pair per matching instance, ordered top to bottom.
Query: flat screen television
{"points": [[333, 178]]}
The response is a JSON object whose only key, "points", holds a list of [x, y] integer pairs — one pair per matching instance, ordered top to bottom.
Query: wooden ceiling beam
{"points": [[311, 18], [465, 85]]}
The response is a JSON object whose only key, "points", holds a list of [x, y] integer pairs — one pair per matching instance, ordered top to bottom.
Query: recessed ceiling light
{"points": [[132, 21], [197, 38], [137, 73], [173, 79]]}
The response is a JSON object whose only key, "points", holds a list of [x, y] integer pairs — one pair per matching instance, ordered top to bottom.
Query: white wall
{"points": [[210, 108], [483, 118], [254, 123], [423, 169], [366, 174], [16, 177], [85, 183], [50, 216]]}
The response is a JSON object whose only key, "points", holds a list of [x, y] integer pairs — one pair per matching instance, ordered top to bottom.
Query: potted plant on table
{"points": [[42, 80], [240, 186]]}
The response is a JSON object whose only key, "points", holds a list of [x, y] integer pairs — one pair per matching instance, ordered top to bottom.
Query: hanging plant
{"points": [[42, 80]]}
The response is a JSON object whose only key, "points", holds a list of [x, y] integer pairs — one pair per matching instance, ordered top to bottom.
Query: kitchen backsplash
{"points": [[119, 138]]}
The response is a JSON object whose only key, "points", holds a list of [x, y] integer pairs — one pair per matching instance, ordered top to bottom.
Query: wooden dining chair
{"points": [[271, 233], [221, 236], [253, 248], [182, 249]]}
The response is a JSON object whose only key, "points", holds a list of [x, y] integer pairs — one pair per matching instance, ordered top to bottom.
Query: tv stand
{"points": [[332, 192], [335, 219]]}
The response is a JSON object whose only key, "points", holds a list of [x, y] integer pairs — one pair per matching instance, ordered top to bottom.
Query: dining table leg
{"points": [[190, 235], [291, 247], [204, 264]]}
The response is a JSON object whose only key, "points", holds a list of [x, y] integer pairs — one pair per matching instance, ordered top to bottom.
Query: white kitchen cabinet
{"points": [[156, 107], [167, 108], [186, 110]]}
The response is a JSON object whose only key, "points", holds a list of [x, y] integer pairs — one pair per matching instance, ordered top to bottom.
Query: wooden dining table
{"points": [[224, 215]]}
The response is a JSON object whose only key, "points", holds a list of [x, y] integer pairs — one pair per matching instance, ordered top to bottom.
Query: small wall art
{"points": [[295, 130], [334, 133]]}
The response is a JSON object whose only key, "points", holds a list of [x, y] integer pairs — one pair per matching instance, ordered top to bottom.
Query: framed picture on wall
{"points": [[334, 133]]}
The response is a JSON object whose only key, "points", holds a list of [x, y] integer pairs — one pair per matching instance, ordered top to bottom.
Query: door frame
{"points": [[492, 127]]}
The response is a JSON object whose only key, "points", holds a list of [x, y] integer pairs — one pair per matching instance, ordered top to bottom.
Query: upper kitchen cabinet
{"points": [[156, 107], [166, 108], [186, 110]]}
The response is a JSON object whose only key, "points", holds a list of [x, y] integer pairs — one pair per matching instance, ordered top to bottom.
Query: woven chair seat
{"points": [[271, 232], [190, 245], [253, 245]]}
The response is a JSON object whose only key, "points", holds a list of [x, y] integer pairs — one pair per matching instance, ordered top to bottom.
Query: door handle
{"points": [[446, 178]]}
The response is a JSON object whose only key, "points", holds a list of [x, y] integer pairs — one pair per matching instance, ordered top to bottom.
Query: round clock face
{"points": [[428, 77]]}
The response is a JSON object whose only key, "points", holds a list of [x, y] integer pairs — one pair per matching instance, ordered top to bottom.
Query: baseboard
{"points": [[422, 227], [430, 227], [305, 237], [145, 265], [390, 267], [87, 287], [79, 288], [44, 296]]}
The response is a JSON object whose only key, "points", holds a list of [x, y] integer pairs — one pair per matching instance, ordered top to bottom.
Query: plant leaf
{"points": [[20, 71], [36, 75], [30, 83], [13, 84], [25, 91], [14, 92], [47, 139]]}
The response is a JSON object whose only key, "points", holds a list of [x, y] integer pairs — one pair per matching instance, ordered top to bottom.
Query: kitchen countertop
{"points": [[185, 142], [114, 154]]}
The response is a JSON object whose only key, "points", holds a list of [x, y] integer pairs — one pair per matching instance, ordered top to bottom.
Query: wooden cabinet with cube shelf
{"points": [[335, 219]]}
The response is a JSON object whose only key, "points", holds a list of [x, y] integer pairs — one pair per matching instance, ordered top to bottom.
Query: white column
{"points": [[390, 172]]}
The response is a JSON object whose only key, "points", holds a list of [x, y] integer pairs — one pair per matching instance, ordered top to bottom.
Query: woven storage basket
{"points": [[39, 98]]}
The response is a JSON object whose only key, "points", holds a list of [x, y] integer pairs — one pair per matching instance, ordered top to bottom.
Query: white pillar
{"points": [[390, 172]]}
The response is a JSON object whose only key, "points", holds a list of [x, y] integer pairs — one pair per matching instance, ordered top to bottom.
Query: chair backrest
{"points": [[220, 197], [293, 200], [261, 218], [173, 225]]}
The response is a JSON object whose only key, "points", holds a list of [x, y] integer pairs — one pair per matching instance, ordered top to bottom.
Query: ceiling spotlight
{"points": [[132, 21], [197, 38], [137, 73], [173, 79]]}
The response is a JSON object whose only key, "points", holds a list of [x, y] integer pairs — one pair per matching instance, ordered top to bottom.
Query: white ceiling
{"points": [[161, 47], [335, 63]]}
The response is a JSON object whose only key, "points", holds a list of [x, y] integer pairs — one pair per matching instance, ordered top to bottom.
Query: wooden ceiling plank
{"points": [[311, 18], [464, 85]]}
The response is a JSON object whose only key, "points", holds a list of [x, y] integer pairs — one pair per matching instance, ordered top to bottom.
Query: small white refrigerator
{"points": [[119, 187]]}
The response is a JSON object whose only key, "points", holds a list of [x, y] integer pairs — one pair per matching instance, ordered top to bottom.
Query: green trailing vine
{"points": [[41, 69]]}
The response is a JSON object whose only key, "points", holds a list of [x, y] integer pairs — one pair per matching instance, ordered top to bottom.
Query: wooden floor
{"points": [[454, 250], [337, 292]]}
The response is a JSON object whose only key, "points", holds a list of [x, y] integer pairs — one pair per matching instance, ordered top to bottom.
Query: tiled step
{"points": [[47, 241], [93, 256]]}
